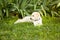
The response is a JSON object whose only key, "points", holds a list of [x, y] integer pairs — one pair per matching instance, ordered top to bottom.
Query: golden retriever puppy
{"points": [[35, 18]]}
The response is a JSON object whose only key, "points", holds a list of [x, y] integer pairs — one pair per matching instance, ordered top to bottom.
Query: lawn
{"points": [[50, 30]]}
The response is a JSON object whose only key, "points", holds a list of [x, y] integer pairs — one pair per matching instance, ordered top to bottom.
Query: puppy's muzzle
{"points": [[35, 20]]}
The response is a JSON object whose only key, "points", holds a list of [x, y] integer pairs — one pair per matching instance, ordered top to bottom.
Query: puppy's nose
{"points": [[31, 18]]}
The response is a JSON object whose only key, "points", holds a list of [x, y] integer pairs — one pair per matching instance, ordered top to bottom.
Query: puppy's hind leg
{"points": [[18, 21]]}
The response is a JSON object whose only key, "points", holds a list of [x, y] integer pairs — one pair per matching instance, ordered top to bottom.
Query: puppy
{"points": [[35, 18]]}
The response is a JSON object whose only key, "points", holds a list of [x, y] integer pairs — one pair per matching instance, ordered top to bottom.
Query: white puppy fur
{"points": [[35, 18]]}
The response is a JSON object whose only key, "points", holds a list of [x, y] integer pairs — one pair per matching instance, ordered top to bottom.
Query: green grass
{"points": [[50, 30]]}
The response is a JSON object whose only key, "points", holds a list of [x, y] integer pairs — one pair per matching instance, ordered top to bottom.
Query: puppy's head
{"points": [[35, 16]]}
